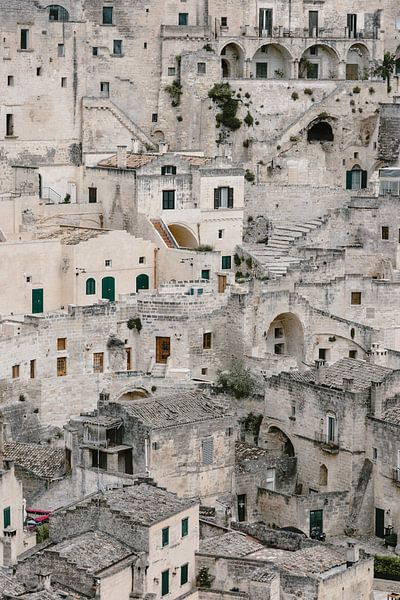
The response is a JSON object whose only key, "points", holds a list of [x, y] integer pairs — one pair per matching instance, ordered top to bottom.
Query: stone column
{"points": [[294, 67], [342, 70]]}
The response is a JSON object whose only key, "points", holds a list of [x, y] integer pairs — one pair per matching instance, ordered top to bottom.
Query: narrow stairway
{"points": [[162, 233]]}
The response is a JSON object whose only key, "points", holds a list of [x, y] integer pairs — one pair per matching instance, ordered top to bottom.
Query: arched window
{"points": [[58, 13], [356, 179], [90, 286], [323, 475]]}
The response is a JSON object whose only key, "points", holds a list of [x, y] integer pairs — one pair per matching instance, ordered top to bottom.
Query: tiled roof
{"points": [[133, 161], [196, 161], [71, 236], [362, 373], [168, 411], [392, 415], [103, 421], [245, 451], [43, 461], [145, 504], [233, 543], [93, 550], [311, 561], [263, 575], [9, 585], [46, 595]]}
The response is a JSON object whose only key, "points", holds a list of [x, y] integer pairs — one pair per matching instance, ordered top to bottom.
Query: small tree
{"points": [[385, 68], [237, 380], [204, 580]]}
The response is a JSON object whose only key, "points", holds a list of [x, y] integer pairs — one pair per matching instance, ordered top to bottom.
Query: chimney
{"points": [[135, 146], [163, 147], [121, 157], [319, 368], [347, 384], [377, 398], [352, 553], [44, 580]]}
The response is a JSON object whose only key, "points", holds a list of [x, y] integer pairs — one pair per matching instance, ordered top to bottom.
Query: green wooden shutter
{"points": [[163, 169], [173, 170], [364, 179], [349, 180], [216, 197], [230, 197], [7, 517], [185, 526], [165, 536], [184, 574], [165, 583]]}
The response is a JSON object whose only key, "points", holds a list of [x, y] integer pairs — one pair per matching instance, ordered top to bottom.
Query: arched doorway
{"points": [[232, 61], [271, 61], [319, 62], [357, 62], [320, 132], [184, 237], [142, 282], [108, 288], [285, 336], [276, 441], [323, 476]]}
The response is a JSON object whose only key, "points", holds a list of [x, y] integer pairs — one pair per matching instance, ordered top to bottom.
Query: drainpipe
{"points": [[290, 16], [155, 268], [146, 455]]}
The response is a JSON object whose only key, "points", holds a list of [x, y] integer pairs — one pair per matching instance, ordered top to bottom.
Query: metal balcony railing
{"points": [[327, 441]]}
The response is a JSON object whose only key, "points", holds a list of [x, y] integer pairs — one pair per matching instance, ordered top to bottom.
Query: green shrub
{"points": [[208, 47], [356, 90], [371, 90], [175, 92], [308, 92], [247, 95], [295, 96], [323, 115], [179, 118], [248, 119], [294, 138], [246, 143], [249, 176], [67, 198], [204, 248], [237, 259], [249, 263], [135, 323], [238, 380], [42, 533], [387, 567], [204, 579]]}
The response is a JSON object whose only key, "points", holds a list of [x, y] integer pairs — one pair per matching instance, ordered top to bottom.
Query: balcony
{"points": [[328, 444], [396, 475]]}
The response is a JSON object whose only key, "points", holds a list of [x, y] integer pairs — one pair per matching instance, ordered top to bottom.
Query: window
{"points": [[58, 13], [107, 15], [183, 18], [224, 21], [265, 22], [313, 23], [352, 25], [24, 39], [145, 45], [117, 47], [61, 50], [95, 51], [314, 51], [201, 68], [261, 70], [38, 71], [171, 71], [312, 71], [10, 80], [63, 82], [104, 89], [154, 117], [9, 124], [355, 155], [168, 170], [356, 179], [92, 195], [223, 197], [168, 199], [385, 232], [220, 234], [142, 260], [108, 262], [226, 262], [205, 274], [90, 286], [355, 297], [278, 332], [207, 340], [61, 343], [279, 349], [322, 353], [352, 353], [128, 359], [98, 362], [61, 366], [32, 369], [15, 371], [204, 371], [293, 411], [331, 428], [207, 448], [374, 453], [270, 479], [242, 507], [7, 517], [185, 527], [165, 537], [184, 573], [165, 583]]}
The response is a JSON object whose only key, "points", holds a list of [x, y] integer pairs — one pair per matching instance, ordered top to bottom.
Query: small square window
{"points": [[107, 15], [183, 18], [224, 21], [117, 47], [61, 50], [95, 51], [314, 51], [201, 68], [39, 71], [171, 71], [10, 80], [63, 82], [104, 89], [154, 118], [385, 232], [142, 260], [108, 262], [226, 262], [205, 274], [29, 279], [355, 297], [278, 332], [207, 340], [61, 343], [279, 349], [352, 353], [15, 371], [204, 371], [165, 537]]}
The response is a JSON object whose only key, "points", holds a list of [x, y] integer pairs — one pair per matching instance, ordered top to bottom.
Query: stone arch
{"points": [[57, 13], [232, 60], [271, 61], [319, 61], [357, 62], [320, 132], [159, 136], [184, 236], [285, 335], [133, 394], [277, 441], [323, 475]]}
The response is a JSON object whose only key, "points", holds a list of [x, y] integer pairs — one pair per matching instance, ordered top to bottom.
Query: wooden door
{"points": [[351, 72], [221, 283], [163, 349]]}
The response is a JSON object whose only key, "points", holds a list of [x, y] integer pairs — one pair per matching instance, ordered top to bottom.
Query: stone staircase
{"points": [[389, 133], [167, 239], [274, 258]]}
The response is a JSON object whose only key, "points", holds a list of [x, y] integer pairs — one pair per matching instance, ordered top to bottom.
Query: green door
{"points": [[142, 282], [108, 288], [37, 300], [316, 522]]}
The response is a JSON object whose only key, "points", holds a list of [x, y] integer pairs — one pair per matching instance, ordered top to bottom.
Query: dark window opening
{"points": [[107, 15], [183, 18], [224, 21], [24, 39], [117, 47], [95, 51], [10, 80], [104, 89], [154, 117], [9, 124], [320, 132], [168, 170], [92, 195], [168, 199], [385, 232], [205, 274], [355, 297], [207, 340], [279, 349], [352, 353], [184, 574]]}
